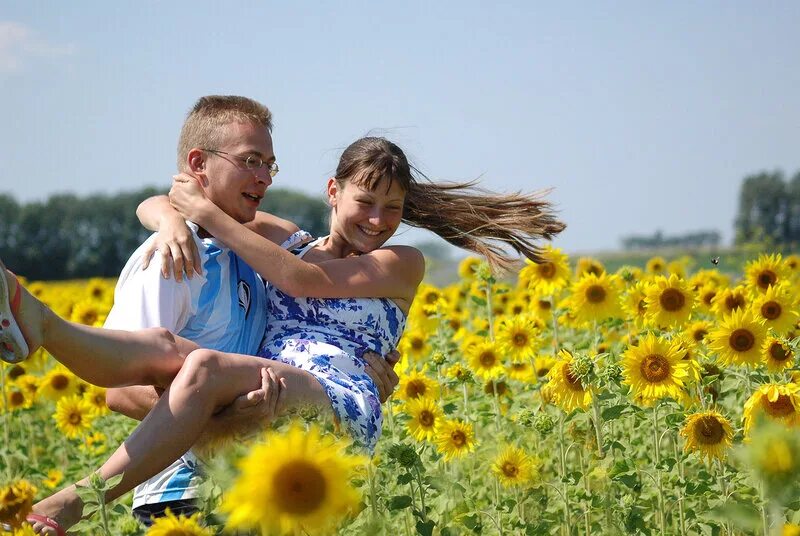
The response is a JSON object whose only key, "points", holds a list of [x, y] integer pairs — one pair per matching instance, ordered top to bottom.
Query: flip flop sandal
{"points": [[13, 347], [47, 522]]}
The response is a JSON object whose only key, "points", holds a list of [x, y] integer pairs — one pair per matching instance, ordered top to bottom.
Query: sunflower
{"points": [[792, 263], [588, 265], [656, 266], [468, 267], [678, 268], [766, 271], [549, 276], [705, 297], [595, 298], [728, 300], [669, 301], [633, 302], [519, 305], [542, 308], [775, 308], [89, 313], [698, 331], [517, 338], [738, 339], [414, 344], [777, 354], [485, 360], [543, 364], [655, 369], [521, 371], [458, 372], [57, 383], [416, 384], [29, 385], [564, 387], [96, 396], [16, 399], [773, 402], [74, 416], [426, 417], [708, 433], [455, 438], [94, 443], [513, 467], [54, 478], [297, 481], [16, 501], [172, 525], [790, 529]]}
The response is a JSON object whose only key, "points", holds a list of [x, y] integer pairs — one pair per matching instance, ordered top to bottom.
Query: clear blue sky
{"points": [[641, 115]]}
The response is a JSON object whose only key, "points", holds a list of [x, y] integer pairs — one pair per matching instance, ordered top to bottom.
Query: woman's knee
{"points": [[199, 366]]}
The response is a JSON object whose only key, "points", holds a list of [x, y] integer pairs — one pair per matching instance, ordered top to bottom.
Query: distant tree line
{"points": [[769, 209], [69, 237], [657, 240]]}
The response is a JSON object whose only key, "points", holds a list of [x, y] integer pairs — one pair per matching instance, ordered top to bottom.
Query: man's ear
{"points": [[196, 161], [333, 191]]}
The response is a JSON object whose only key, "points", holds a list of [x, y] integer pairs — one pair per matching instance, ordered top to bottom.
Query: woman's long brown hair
{"points": [[464, 214]]}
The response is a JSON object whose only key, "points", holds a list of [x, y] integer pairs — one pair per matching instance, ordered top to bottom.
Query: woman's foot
{"points": [[64, 508]]}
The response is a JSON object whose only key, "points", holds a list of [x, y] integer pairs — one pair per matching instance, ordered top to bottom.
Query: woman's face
{"points": [[365, 218]]}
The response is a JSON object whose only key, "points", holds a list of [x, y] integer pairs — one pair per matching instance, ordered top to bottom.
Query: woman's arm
{"points": [[391, 272]]}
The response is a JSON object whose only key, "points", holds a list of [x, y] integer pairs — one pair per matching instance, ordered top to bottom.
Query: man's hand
{"points": [[381, 370], [263, 404]]}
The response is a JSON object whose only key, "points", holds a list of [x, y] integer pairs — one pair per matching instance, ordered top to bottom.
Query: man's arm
{"points": [[134, 401]]}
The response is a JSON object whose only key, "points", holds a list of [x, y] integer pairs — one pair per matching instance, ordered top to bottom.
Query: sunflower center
{"points": [[547, 270], [766, 278], [596, 294], [708, 297], [431, 298], [672, 300], [734, 301], [545, 305], [641, 306], [517, 308], [771, 310], [89, 317], [455, 324], [699, 334], [520, 339], [742, 340], [417, 343], [777, 352], [487, 359], [519, 366], [655, 368], [16, 371], [573, 381], [59, 382], [416, 388], [17, 398], [781, 407], [75, 418], [426, 418], [709, 431], [458, 438], [510, 469], [300, 488]]}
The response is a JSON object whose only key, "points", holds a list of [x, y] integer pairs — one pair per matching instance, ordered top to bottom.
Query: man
{"points": [[227, 140]]}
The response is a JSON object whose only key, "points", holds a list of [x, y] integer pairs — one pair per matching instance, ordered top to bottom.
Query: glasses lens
{"points": [[253, 162], [273, 169]]}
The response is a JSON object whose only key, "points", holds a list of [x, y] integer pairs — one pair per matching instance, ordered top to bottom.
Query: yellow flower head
{"points": [[588, 265], [656, 266], [468, 267], [766, 271], [548, 277], [705, 297], [595, 298], [728, 300], [669, 301], [634, 302], [776, 308], [89, 313], [517, 338], [738, 339], [414, 344], [778, 355], [485, 360], [654, 369], [521, 371], [57, 383], [416, 384], [565, 389], [96, 396], [16, 399], [773, 402], [73, 416], [426, 417], [708, 433], [455, 438], [513, 467], [54, 478], [295, 481], [16, 501], [172, 525]]}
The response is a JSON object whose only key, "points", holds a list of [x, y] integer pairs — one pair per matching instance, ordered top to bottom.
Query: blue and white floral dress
{"points": [[327, 337]]}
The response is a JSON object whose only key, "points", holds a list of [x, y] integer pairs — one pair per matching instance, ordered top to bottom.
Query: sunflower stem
{"points": [[466, 401], [5, 403], [496, 407], [563, 459], [682, 475], [659, 484], [372, 491], [421, 493], [587, 513]]}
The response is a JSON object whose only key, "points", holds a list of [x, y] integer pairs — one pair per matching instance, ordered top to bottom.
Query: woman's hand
{"points": [[187, 197], [178, 249]]}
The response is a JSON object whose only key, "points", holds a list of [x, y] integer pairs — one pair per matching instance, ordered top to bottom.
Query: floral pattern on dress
{"points": [[327, 337]]}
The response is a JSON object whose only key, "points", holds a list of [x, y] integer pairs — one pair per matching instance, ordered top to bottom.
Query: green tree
{"points": [[763, 208]]}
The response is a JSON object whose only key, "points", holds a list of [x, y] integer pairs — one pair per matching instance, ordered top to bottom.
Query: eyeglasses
{"points": [[251, 162]]}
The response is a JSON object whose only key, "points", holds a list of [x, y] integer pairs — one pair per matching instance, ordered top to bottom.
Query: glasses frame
{"points": [[249, 161]]}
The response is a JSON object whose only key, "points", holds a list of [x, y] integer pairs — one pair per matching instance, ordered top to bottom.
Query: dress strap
{"points": [[296, 240], [305, 248]]}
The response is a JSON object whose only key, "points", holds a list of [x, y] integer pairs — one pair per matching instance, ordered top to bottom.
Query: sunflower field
{"points": [[564, 400]]}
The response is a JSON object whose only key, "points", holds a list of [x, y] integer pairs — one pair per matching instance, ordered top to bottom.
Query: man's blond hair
{"points": [[204, 125]]}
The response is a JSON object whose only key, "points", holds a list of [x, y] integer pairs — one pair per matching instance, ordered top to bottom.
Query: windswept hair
{"points": [[204, 125], [463, 214]]}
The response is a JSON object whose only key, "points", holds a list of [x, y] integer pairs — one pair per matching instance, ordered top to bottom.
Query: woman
{"points": [[369, 290]]}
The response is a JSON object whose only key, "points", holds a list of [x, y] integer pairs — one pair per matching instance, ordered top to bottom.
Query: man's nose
{"points": [[262, 175]]}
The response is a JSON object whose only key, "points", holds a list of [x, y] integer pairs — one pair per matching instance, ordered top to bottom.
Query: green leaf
{"points": [[478, 301], [614, 412], [675, 419], [404, 478], [629, 479], [113, 481], [398, 502], [744, 516], [425, 528]]}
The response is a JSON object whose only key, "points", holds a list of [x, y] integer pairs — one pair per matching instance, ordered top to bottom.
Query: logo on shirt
{"points": [[244, 297]]}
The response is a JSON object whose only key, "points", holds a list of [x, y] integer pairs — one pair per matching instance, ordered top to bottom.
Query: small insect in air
{"points": [[715, 260]]}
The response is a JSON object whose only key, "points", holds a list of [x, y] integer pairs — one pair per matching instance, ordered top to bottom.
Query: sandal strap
{"points": [[15, 301]]}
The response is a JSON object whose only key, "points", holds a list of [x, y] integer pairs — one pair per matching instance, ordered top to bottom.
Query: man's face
{"points": [[231, 186]]}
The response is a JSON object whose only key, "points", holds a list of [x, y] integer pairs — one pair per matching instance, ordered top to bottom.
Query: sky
{"points": [[641, 116]]}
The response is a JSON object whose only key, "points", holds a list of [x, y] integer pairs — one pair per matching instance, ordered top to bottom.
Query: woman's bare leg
{"points": [[105, 357], [207, 381]]}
